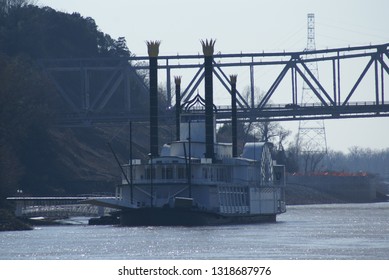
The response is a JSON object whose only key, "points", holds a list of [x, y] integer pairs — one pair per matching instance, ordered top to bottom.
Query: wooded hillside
{"points": [[34, 155]]}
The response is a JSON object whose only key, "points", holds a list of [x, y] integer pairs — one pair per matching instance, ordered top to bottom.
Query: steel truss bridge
{"points": [[352, 85]]}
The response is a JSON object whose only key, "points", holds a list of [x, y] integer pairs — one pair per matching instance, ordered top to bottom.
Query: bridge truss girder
{"points": [[87, 86], [333, 101]]}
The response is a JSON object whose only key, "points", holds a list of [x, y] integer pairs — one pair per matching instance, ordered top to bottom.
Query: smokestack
{"points": [[208, 48], [153, 50], [177, 80], [234, 125]]}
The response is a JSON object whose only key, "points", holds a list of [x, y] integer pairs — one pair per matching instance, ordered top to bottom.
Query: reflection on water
{"points": [[341, 231]]}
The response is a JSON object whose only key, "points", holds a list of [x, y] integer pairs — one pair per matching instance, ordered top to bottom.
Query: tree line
{"points": [[359, 160]]}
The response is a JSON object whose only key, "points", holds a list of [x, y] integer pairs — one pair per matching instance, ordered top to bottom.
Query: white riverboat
{"points": [[182, 187]]}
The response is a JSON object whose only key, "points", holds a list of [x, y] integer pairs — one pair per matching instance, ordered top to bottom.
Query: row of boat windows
{"points": [[179, 172], [164, 173], [220, 174]]}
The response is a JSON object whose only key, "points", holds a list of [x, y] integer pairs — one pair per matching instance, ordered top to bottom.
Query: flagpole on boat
{"points": [[131, 166]]}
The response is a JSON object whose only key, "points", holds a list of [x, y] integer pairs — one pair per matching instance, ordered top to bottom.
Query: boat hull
{"points": [[187, 217]]}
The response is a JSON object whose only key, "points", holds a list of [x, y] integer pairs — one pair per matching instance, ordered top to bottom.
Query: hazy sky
{"points": [[249, 26]]}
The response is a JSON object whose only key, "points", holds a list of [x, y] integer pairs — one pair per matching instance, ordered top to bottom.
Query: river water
{"points": [[336, 231]]}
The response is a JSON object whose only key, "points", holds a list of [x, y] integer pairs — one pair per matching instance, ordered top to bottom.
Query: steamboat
{"points": [[196, 180]]}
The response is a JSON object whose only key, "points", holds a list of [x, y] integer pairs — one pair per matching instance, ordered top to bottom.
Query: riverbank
{"points": [[304, 195]]}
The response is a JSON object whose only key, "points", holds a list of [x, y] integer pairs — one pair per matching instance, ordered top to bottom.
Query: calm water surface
{"points": [[340, 231]]}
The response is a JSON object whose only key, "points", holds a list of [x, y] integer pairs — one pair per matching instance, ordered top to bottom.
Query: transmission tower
{"points": [[311, 140]]}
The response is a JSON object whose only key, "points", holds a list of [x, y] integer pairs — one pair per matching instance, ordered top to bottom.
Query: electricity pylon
{"points": [[311, 140]]}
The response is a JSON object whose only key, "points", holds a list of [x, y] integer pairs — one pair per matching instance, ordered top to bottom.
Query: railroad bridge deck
{"points": [[352, 85]]}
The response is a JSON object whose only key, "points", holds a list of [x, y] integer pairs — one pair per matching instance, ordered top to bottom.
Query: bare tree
{"points": [[266, 130], [309, 157], [311, 161]]}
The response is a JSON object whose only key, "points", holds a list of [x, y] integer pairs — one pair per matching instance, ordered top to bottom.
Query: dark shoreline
{"points": [[8, 222]]}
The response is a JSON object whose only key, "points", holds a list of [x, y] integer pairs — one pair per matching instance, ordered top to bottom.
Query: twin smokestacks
{"points": [[208, 49]]}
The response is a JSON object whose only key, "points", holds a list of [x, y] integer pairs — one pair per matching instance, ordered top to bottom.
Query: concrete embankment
{"points": [[328, 188]]}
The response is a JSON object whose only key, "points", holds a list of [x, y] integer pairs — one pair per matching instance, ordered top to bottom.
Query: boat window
{"points": [[163, 170], [148, 172], [169, 173], [181, 173], [205, 173]]}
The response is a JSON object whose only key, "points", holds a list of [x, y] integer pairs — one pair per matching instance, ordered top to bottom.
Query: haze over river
{"points": [[332, 231]]}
